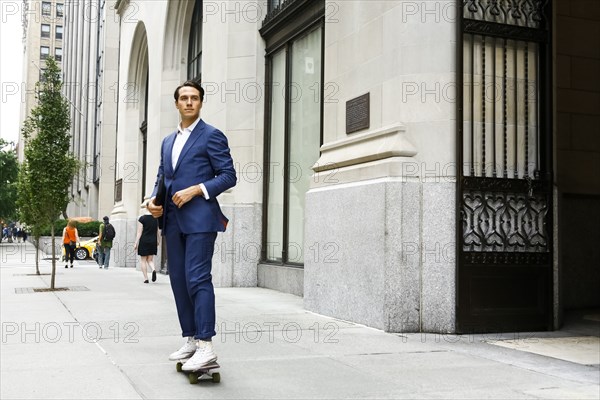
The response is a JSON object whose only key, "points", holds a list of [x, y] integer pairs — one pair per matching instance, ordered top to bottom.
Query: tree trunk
{"points": [[37, 254], [53, 257]]}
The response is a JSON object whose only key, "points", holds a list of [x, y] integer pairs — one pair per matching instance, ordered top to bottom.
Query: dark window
{"points": [[46, 6], [59, 9], [45, 30], [59, 32], [195, 44], [44, 52], [58, 54], [42, 71], [118, 190]]}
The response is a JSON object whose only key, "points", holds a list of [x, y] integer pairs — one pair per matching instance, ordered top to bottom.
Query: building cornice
{"points": [[285, 12]]}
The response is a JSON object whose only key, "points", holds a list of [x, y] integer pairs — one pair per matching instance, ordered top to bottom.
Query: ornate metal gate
{"points": [[505, 183]]}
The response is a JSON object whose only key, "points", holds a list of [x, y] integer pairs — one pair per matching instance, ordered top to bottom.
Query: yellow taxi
{"points": [[84, 249]]}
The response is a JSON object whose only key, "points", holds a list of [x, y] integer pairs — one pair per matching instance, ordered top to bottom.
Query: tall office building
{"points": [[43, 25], [90, 77]]}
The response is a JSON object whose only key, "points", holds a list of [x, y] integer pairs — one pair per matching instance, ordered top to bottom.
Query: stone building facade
{"points": [[412, 166]]}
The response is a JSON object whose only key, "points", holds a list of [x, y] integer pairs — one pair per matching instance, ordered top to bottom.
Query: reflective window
{"points": [[46, 6], [45, 30], [44, 52], [294, 137]]}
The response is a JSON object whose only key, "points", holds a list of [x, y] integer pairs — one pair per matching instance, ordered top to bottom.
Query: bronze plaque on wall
{"points": [[357, 113]]}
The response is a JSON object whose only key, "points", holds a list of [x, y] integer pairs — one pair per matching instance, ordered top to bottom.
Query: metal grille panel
{"points": [[525, 13], [500, 108], [505, 202], [496, 221]]}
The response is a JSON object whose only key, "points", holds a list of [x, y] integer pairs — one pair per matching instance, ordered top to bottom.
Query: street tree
{"points": [[49, 165], [9, 169], [28, 211]]}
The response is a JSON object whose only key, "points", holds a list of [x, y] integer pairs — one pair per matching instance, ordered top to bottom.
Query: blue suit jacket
{"points": [[206, 159]]}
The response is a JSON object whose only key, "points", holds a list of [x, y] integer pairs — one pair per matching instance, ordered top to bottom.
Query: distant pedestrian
{"points": [[106, 236], [70, 239], [146, 243]]}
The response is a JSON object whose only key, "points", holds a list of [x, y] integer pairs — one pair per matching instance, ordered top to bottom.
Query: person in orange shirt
{"points": [[70, 239]]}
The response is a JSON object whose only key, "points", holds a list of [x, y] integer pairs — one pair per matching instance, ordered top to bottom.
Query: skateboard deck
{"points": [[205, 371]]}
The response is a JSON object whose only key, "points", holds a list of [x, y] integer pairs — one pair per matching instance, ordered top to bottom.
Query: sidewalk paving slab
{"points": [[112, 340]]}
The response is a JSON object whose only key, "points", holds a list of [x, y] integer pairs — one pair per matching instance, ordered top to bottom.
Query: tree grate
{"points": [[44, 290]]}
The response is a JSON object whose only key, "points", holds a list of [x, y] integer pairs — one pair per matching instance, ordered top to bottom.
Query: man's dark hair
{"points": [[193, 84]]}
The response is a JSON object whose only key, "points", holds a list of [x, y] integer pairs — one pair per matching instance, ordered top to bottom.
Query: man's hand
{"points": [[185, 195], [155, 210]]}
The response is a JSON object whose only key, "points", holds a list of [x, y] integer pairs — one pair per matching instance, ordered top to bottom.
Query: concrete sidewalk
{"points": [[109, 336]]}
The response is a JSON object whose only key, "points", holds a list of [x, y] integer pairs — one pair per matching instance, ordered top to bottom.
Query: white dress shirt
{"points": [[183, 134]]}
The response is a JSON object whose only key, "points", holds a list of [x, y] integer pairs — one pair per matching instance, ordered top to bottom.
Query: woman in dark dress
{"points": [[146, 244]]}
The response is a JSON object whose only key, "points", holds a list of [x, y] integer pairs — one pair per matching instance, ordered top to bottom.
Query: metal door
{"points": [[504, 202]]}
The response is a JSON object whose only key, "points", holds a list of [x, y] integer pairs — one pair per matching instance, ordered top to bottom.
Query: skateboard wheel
{"points": [[178, 367], [216, 377], [193, 378]]}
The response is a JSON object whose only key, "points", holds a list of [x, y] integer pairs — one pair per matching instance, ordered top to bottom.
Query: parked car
{"points": [[84, 249]]}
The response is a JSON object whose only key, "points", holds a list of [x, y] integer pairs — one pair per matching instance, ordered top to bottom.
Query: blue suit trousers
{"points": [[190, 264]]}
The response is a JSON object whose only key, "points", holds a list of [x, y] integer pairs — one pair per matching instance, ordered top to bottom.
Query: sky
{"points": [[11, 59]]}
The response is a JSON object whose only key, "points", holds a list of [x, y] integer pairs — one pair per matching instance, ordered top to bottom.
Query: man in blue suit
{"points": [[197, 166]]}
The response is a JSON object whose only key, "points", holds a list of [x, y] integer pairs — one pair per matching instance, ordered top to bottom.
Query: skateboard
{"points": [[206, 370]]}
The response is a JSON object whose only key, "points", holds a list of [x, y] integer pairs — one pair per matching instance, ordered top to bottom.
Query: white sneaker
{"points": [[186, 351], [204, 355]]}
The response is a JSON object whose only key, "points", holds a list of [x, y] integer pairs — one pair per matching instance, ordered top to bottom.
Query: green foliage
{"points": [[49, 167], [9, 170], [25, 201], [83, 228], [89, 228]]}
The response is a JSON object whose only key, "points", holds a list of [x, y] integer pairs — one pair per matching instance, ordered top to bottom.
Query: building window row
{"points": [[47, 9], [58, 31], [45, 53]]}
